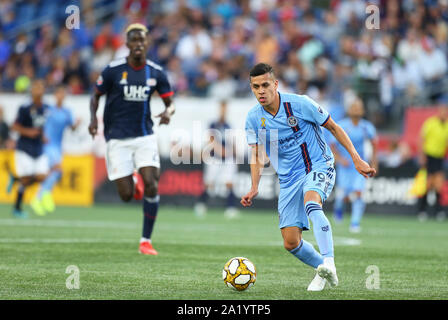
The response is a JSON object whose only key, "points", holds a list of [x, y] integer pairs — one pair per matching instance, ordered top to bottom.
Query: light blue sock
{"points": [[49, 182], [358, 207], [321, 228], [306, 253]]}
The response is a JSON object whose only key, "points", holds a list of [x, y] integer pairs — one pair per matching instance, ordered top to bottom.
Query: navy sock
{"points": [[20, 192], [203, 197], [230, 199], [150, 207]]}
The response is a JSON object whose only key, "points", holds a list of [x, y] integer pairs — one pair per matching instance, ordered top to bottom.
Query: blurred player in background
{"points": [[58, 118], [288, 126], [128, 128], [432, 150], [30, 161], [220, 167], [348, 180]]}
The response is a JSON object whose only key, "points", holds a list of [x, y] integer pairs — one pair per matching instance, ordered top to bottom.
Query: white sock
{"points": [[145, 240]]}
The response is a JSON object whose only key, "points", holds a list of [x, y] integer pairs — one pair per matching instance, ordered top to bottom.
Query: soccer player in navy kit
{"points": [[128, 84], [30, 161]]}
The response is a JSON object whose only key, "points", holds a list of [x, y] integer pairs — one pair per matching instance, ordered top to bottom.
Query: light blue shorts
{"points": [[54, 155], [349, 180], [290, 201]]}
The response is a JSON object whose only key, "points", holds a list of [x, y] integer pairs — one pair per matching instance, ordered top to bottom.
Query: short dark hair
{"points": [[260, 69]]}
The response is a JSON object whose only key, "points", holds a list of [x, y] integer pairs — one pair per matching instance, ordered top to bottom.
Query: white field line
{"points": [[338, 241]]}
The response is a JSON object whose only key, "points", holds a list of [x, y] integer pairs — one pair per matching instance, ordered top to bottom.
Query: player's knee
{"points": [[151, 188], [126, 195], [291, 244]]}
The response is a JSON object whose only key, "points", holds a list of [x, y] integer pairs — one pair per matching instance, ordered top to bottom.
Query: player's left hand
{"points": [[165, 117]]}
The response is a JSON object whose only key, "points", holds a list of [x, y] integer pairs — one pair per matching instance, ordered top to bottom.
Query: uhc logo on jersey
{"points": [[136, 93]]}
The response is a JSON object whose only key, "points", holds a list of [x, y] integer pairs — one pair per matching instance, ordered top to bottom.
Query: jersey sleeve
{"points": [[104, 81], [163, 86], [313, 112], [20, 119], [70, 121], [371, 131], [251, 132]]}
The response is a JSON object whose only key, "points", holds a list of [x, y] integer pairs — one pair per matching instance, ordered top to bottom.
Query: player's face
{"points": [[137, 42], [264, 88], [37, 89], [60, 94], [356, 110]]}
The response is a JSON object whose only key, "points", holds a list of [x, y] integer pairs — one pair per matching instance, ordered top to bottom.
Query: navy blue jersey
{"points": [[128, 92], [30, 117], [220, 137]]}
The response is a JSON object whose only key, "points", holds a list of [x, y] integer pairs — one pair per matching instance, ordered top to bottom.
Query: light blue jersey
{"points": [[58, 119], [293, 138], [294, 141], [349, 179]]}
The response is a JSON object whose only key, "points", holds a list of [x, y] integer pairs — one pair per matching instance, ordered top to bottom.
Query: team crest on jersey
{"points": [[124, 78], [151, 82], [292, 121], [263, 123]]}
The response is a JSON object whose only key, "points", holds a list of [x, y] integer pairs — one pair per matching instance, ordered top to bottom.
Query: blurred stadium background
{"points": [[321, 48]]}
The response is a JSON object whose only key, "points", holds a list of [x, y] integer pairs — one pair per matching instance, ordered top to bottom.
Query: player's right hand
{"points": [[93, 127], [246, 200]]}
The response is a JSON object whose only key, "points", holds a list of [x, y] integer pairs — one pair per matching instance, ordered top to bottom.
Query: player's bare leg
{"points": [[150, 177], [439, 179], [125, 187], [323, 234], [305, 252]]}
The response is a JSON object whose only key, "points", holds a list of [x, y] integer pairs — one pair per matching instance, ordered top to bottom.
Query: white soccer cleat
{"points": [[200, 209], [231, 213], [354, 229], [328, 272], [318, 283]]}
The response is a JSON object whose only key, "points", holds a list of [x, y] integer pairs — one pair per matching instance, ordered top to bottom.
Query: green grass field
{"points": [[102, 242]]}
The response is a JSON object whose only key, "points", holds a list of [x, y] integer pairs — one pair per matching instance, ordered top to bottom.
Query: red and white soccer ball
{"points": [[239, 273]]}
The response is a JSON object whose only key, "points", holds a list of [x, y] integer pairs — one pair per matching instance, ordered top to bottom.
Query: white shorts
{"points": [[125, 155], [27, 166], [219, 172]]}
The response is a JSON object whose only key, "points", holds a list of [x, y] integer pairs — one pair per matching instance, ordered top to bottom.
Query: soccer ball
{"points": [[239, 273]]}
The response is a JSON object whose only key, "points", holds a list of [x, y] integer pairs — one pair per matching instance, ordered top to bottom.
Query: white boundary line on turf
{"points": [[68, 223], [338, 241]]}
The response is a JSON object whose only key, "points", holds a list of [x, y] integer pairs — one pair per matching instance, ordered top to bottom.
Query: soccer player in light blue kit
{"points": [[58, 119], [288, 126], [348, 180]]}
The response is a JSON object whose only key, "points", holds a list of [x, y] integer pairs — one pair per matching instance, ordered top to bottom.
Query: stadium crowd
{"points": [[321, 48]]}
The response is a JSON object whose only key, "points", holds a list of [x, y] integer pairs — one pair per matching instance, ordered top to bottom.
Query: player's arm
{"points": [[166, 93], [94, 103], [165, 116], [21, 129], [25, 131], [374, 162], [361, 166], [256, 168]]}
